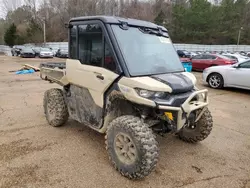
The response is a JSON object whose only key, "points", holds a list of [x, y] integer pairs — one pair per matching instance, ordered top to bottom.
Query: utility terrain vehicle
{"points": [[124, 78]]}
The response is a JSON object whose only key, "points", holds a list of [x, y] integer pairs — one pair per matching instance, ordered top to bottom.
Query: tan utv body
{"points": [[124, 78]]}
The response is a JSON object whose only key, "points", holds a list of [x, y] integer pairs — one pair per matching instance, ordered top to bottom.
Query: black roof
{"points": [[119, 20]]}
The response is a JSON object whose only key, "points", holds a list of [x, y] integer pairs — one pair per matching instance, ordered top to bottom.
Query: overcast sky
{"points": [[11, 5]]}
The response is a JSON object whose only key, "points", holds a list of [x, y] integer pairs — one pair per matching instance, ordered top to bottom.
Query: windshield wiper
{"points": [[153, 32]]}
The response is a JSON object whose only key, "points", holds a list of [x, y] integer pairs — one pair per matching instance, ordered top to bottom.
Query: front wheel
{"points": [[215, 81], [197, 131], [132, 147]]}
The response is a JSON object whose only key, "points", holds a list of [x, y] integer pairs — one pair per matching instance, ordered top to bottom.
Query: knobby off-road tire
{"points": [[55, 108], [201, 130], [145, 146]]}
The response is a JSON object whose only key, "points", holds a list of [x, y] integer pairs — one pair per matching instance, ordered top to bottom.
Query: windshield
{"points": [[19, 47], [45, 49], [27, 50], [64, 50], [186, 52], [147, 54], [231, 57]]}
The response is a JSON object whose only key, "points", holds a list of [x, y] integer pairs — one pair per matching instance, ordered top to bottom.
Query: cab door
{"points": [[88, 73]]}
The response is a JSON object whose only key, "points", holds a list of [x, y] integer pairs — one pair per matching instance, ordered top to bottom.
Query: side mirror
{"points": [[68, 25], [236, 66]]}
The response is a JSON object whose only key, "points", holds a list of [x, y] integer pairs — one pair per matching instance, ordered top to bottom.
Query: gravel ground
{"points": [[34, 154]]}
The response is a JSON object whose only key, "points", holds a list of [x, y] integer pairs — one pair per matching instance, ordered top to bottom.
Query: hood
{"points": [[46, 52], [179, 82]]}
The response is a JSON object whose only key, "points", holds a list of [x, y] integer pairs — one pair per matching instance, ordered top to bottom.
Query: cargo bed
{"points": [[53, 72]]}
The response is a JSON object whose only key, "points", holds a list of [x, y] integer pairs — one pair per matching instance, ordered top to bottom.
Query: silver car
{"points": [[46, 52], [237, 75]]}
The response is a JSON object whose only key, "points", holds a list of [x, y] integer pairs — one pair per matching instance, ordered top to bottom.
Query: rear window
{"points": [[224, 57]]}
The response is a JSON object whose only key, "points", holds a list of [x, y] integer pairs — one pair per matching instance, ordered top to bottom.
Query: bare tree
{"points": [[33, 4], [10, 5], [55, 13]]}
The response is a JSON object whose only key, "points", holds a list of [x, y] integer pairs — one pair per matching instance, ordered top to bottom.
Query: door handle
{"points": [[100, 77]]}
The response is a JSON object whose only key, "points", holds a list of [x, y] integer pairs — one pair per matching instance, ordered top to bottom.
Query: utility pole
{"points": [[44, 32], [238, 41]]}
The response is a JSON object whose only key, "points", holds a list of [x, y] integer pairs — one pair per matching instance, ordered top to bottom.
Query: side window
{"points": [[73, 43], [90, 44], [197, 57], [203, 57], [210, 57], [109, 61], [245, 65]]}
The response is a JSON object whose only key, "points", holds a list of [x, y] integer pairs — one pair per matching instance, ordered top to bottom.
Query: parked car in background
{"points": [[16, 50], [54, 50], [37, 51], [27, 52], [46, 53], [62, 53], [183, 53], [242, 53], [192, 54], [248, 54], [236, 56], [203, 61], [237, 75]]}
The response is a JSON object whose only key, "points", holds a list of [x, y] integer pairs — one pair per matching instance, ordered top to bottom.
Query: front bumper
{"points": [[28, 55], [46, 55], [63, 55], [204, 76], [187, 107]]}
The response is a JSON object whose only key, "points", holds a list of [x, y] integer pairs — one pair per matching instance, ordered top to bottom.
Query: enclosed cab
{"points": [[125, 79]]}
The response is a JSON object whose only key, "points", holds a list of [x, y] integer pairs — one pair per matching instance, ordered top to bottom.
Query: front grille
{"points": [[175, 100], [179, 101]]}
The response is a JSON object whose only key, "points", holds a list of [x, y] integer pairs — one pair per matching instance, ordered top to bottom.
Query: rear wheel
{"points": [[215, 80], [55, 108], [196, 132], [132, 147]]}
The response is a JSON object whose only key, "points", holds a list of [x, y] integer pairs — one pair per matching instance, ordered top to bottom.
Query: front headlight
{"points": [[145, 93], [150, 94]]}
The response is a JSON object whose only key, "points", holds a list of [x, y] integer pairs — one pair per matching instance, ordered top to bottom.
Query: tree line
{"points": [[188, 21]]}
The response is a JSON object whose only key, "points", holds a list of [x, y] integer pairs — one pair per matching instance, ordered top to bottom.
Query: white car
{"points": [[54, 50], [46, 52], [193, 54], [240, 58], [237, 75]]}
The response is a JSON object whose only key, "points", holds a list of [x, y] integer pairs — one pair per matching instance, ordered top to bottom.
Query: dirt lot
{"points": [[34, 154]]}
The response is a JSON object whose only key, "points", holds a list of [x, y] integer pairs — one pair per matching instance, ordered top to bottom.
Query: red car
{"points": [[203, 61]]}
